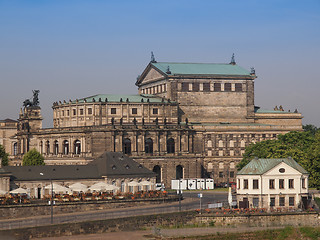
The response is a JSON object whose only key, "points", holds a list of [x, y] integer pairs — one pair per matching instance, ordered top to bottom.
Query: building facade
{"points": [[189, 120], [272, 183]]}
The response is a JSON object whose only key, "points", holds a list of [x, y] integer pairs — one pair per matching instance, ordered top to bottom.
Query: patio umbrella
{"points": [[144, 183], [133, 184], [102, 186], [78, 187], [58, 188], [19, 191], [2, 192]]}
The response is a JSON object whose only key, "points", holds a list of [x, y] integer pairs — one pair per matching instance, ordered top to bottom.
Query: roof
{"points": [[201, 68], [124, 98], [8, 120], [109, 164], [113, 164], [259, 166], [54, 172]]}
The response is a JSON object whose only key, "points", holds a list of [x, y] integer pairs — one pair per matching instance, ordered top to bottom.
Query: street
{"points": [[190, 202]]}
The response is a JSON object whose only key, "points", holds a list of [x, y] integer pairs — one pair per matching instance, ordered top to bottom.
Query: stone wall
{"points": [[20, 211], [263, 220], [150, 221], [101, 226]]}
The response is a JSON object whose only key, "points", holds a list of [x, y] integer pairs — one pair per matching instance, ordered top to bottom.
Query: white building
{"points": [[267, 183]]}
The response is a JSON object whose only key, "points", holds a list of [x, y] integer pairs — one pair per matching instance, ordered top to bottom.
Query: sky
{"points": [[74, 49]]}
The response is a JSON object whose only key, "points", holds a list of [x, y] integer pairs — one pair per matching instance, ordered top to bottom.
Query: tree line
{"points": [[304, 147]]}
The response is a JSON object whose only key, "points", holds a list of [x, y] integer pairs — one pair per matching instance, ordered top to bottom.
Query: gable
{"points": [[150, 75], [288, 170]]}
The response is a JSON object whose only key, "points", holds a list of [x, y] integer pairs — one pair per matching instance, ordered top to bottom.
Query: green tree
{"points": [[310, 128], [304, 147], [4, 156], [33, 158]]}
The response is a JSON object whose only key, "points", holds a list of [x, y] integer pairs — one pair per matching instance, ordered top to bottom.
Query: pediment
{"points": [[150, 74], [288, 170]]}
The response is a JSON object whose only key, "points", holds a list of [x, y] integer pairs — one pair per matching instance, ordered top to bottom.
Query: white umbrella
{"points": [[145, 183], [133, 184], [101, 186], [78, 187], [58, 188], [19, 191], [2, 192], [230, 197]]}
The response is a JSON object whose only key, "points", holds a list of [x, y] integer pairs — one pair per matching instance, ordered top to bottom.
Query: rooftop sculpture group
{"points": [[35, 101]]}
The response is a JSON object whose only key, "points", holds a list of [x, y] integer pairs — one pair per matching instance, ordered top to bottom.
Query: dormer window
{"points": [[114, 167], [127, 167]]}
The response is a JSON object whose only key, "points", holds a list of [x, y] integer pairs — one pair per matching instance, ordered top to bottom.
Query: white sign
{"points": [[200, 195]]}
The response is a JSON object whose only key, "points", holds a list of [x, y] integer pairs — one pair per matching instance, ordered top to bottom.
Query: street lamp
{"points": [[51, 201]]}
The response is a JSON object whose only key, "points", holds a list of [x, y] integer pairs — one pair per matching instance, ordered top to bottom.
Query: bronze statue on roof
{"points": [[35, 101]]}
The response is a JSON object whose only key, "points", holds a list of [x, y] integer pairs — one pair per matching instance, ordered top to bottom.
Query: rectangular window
{"points": [[185, 87], [195, 87], [206, 87], [217, 87], [227, 87], [238, 87], [89, 110], [74, 111], [81, 111], [113, 111], [134, 111], [155, 111], [62, 112], [68, 112], [263, 135], [220, 174], [232, 174], [238, 183], [271, 183], [281, 183], [291, 183], [303, 183], [245, 184], [255, 184], [281, 201], [291, 201], [256, 202], [272, 202]]}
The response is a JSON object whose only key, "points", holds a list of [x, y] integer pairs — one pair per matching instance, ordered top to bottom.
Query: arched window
{"points": [[231, 143], [220, 144], [126, 145], [148, 145], [170, 145], [48, 147], [56, 147], [65, 147], [77, 147], [15, 148], [157, 170], [179, 172]]}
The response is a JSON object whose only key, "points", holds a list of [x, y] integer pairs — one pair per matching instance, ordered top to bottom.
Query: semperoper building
{"points": [[188, 120]]}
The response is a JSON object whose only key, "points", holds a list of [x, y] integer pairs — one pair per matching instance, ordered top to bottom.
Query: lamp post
{"points": [[51, 201]]}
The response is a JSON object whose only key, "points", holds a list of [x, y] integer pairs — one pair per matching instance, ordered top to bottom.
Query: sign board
{"points": [[200, 195]]}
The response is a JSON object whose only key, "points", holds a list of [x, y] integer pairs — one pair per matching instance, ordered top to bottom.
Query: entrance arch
{"points": [[157, 170], [179, 172]]}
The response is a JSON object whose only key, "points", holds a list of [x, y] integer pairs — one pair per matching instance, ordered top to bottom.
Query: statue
{"points": [[35, 101]]}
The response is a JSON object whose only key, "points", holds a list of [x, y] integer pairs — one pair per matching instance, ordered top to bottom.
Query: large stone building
{"points": [[189, 120]]}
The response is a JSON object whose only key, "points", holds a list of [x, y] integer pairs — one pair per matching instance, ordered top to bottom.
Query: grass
{"points": [[287, 233]]}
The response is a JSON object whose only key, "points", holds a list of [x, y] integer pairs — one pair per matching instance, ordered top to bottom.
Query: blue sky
{"points": [[73, 49]]}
